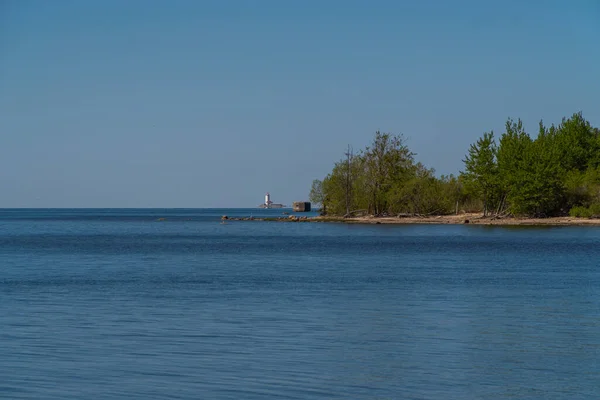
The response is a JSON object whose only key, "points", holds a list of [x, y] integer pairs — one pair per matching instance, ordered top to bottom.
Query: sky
{"points": [[213, 103]]}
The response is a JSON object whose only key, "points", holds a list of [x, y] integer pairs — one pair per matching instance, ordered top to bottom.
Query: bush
{"points": [[595, 210], [580, 212]]}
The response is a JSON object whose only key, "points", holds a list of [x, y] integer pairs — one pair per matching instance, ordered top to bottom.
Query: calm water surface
{"points": [[111, 304]]}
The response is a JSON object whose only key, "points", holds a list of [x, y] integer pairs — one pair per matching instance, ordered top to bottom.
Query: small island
{"points": [[552, 178], [270, 204]]}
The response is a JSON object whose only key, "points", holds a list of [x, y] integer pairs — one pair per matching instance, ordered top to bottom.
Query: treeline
{"points": [[556, 173]]}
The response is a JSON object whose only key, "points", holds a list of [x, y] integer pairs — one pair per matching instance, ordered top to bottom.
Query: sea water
{"points": [[175, 304]]}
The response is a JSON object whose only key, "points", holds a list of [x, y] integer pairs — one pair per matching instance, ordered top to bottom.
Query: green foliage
{"points": [[578, 143], [386, 163], [514, 165], [481, 171], [529, 173], [557, 173], [546, 176], [340, 181], [580, 187], [333, 189], [316, 192], [417, 194], [595, 209], [592, 211], [580, 212]]}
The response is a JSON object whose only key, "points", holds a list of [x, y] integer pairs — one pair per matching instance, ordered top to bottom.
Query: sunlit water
{"points": [[106, 304]]}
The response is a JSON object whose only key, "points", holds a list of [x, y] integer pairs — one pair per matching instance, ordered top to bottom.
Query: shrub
{"points": [[595, 210], [580, 212]]}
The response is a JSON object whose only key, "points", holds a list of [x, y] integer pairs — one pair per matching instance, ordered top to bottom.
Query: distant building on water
{"points": [[269, 204], [301, 206]]}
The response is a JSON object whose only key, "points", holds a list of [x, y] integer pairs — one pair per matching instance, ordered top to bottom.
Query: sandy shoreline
{"points": [[471, 219], [474, 219]]}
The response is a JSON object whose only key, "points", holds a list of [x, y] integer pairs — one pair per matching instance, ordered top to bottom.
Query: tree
{"points": [[578, 142], [386, 162], [514, 162], [481, 169], [552, 174], [542, 177], [546, 177], [348, 183], [582, 188], [316, 192], [453, 192], [340, 193], [423, 193]]}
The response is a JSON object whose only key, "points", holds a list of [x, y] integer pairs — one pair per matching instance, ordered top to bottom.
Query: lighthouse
{"points": [[269, 204]]}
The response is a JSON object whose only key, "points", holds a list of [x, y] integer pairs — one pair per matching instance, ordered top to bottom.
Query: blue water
{"points": [[117, 304]]}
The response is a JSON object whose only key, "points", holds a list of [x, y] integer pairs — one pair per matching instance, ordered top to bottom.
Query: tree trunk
{"points": [[485, 205], [500, 205]]}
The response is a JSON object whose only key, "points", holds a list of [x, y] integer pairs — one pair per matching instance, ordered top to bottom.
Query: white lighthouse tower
{"points": [[269, 204]]}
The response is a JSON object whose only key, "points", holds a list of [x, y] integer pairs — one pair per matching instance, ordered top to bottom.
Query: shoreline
{"points": [[462, 219], [468, 219]]}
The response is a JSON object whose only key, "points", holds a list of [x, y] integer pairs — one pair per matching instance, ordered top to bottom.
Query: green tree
{"points": [[578, 142], [386, 162], [481, 170], [554, 173], [546, 178], [336, 186], [582, 188], [316, 192], [333, 192], [453, 192], [423, 193]]}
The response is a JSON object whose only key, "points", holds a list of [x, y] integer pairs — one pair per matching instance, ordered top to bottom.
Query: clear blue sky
{"points": [[212, 103]]}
